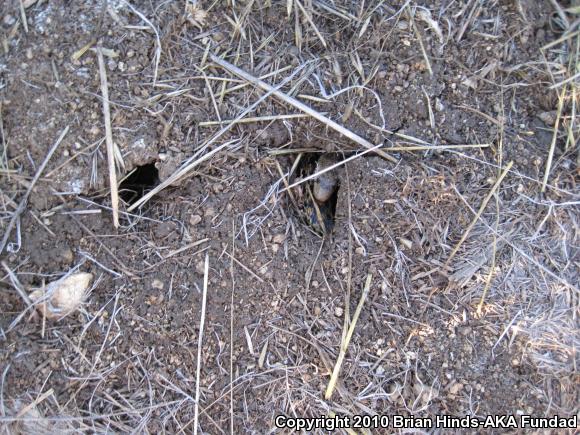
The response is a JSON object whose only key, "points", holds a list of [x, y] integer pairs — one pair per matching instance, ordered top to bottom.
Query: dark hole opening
{"points": [[308, 166], [138, 183], [331, 204]]}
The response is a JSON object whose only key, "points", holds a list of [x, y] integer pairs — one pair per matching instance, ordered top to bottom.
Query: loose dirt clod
{"points": [[61, 298]]}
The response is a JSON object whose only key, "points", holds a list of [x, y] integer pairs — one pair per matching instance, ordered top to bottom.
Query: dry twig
{"points": [[109, 138], [554, 138], [346, 340], [200, 342]]}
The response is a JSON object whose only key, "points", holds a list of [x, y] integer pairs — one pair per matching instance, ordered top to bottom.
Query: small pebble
{"points": [[9, 20], [402, 25], [548, 118], [194, 220], [279, 238], [406, 243], [67, 255], [456, 388]]}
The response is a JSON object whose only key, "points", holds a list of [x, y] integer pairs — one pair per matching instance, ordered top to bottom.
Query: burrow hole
{"points": [[308, 166], [138, 182]]}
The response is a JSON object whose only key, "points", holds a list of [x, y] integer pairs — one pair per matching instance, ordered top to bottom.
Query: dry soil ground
{"points": [[488, 328]]}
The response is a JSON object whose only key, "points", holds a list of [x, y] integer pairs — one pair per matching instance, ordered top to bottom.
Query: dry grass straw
{"points": [[561, 13], [23, 16], [411, 16], [310, 21], [81, 51], [245, 84], [211, 94], [300, 106], [429, 108], [255, 119], [109, 138], [554, 139], [436, 147], [4, 151], [285, 177], [349, 195], [24, 200], [479, 212], [494, 243], [185, 248], [493, 261], [243, 266], [233, 277], [17, 285], [346, 339], [200, 343], [35, 402]]}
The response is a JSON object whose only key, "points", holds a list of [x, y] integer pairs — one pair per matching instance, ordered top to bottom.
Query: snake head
{"points": [[325, 185]]}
